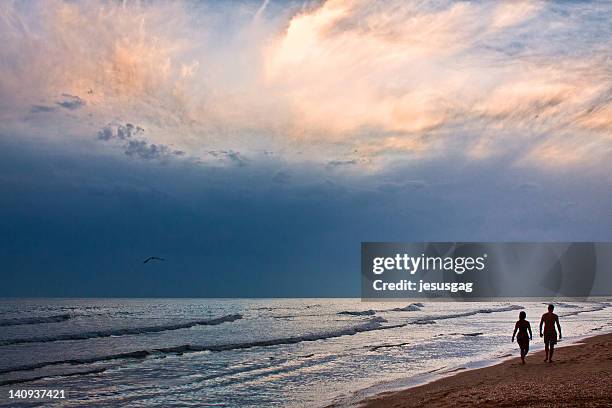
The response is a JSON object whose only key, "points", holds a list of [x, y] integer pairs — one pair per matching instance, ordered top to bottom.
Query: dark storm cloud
{"points": [[235, 231]]}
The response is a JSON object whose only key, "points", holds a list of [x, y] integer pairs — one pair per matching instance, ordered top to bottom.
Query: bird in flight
{"points": [[153, 258]]}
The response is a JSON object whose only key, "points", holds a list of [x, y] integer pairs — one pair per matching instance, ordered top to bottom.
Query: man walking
{"points": [[549, 320]]}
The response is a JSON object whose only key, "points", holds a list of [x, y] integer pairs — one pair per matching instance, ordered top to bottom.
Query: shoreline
{"points": [[579, 375]]}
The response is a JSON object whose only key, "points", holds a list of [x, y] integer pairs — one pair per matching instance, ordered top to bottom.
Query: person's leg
{"points": [[552, 348], [546, 350], [523, 353]]}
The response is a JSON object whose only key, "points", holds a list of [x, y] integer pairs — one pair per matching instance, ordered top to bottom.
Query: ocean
{"points": [[256, 352]]}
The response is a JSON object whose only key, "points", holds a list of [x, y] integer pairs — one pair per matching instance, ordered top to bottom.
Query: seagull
{"points": [[153, 258]]}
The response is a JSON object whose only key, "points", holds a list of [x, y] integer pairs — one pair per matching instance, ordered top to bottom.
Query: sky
{"points": [[255, 145]]}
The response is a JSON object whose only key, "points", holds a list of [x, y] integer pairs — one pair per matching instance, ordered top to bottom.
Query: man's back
{"points": [[549, 320]]}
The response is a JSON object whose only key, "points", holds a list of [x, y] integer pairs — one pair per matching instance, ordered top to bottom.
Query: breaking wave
{"points": [[562, 304], [413, 307], [597, 308], [369, 312], [433, 319], [35, 320], [374, 323], [123, 332], [381, 346], [77, 373]]}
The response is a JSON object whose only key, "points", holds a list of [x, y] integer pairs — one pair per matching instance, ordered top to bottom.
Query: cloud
{"points": [[366, 81], [71, 102], [42, 109], [331, 123], [119, 131], [106, 133], [129, 138], [143, 150], [229, 155], [339, 163], [235, 220]]}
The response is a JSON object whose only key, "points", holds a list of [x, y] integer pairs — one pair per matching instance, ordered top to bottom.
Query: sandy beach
{"points": [[581, 375]]}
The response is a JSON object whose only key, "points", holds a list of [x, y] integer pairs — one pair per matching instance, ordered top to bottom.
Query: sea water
{"points": [[255, 352]]}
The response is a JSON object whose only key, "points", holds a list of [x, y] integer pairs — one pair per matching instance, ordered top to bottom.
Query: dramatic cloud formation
{"points": [[333, 82], [262, 141]]}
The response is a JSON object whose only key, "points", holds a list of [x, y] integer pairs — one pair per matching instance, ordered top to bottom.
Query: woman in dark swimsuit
{"points": [[523, 338]]}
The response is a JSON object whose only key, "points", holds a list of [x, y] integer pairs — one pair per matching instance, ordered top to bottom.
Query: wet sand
{"points": [[580, 375]]}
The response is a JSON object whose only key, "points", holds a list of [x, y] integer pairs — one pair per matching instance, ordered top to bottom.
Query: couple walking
{"points": [[549, 320]]}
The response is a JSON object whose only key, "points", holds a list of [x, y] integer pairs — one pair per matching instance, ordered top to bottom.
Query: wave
{"points": [[562, 304], [600, 306], [413, 307], [273, 308], [369, 312], [293, 316], [433, 319], [35, 320], [374, 323], [123, 332], [459, 334], [374, 348], [77, 361], [42, 377]]}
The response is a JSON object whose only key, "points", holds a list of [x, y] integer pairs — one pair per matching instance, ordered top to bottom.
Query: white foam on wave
{"points": [[433, 319], [123, 331]]}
